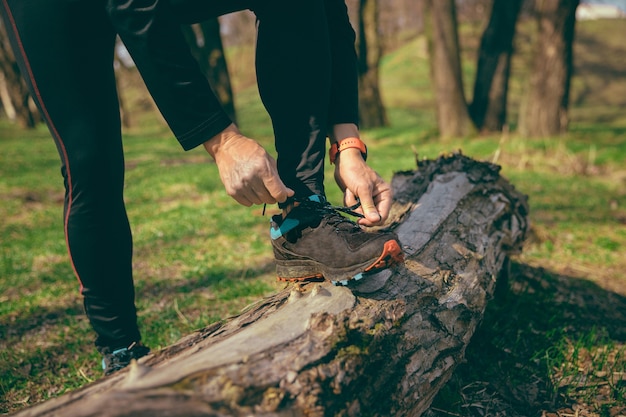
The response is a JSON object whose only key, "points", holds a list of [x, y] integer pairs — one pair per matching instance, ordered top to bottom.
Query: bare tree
{"points": [[400, 21], [206, 45], [445, 63], [13, 90], [489, 102], [545, 108], [371, 109]]}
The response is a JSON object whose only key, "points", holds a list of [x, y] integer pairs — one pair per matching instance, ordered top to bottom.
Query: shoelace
{"points": [[347, 210], [333, 214]]}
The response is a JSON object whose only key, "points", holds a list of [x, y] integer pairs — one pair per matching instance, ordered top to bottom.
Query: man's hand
{"points": [[248, 172], [358, 181]]}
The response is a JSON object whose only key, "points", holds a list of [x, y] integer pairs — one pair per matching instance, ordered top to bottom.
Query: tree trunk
{"points": [[206, 45], [445, 66], [120, 69], [15, 96], [5, 99], [489, 103], [371, 109], [545, 109], [382, 347]]}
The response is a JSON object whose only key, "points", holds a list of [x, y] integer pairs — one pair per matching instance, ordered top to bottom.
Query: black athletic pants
{"points": [[306, 72]]}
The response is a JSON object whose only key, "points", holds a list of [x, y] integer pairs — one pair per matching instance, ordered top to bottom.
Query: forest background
{"points": [[552, 344]]}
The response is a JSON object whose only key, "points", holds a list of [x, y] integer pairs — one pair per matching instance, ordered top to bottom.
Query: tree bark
{"points": [[206, 45], [445, 67], [120, 70], [15, 96], [489, 103], [371, 109], [545, 109], [381, 347]]}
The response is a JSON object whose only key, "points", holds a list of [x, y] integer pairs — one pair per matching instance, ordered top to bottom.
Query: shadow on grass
{"points": [[600, 128], [220, 279], [37, 320], [59, 340], [514, 359], [510, 363]]}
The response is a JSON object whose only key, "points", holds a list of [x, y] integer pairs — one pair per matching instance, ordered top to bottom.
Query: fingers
{"points": [[249, 173], [360, 182], [266, 189], [276, 190], [262, 194], [374, 196], [385, 199], [349, 200], [375, 204], [368, 207], [372, 216]]}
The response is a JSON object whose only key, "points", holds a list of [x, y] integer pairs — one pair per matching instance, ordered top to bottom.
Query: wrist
{"points": [[341, 131], [214, 144], [352, 146], [351, 154]]}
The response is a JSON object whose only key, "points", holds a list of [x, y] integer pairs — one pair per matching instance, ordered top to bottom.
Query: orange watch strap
{"points": [[347, 143]]}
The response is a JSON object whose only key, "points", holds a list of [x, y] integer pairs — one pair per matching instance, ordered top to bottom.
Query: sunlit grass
{"points": [[201, 257]]}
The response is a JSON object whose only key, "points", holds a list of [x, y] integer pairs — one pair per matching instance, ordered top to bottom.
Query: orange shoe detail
{"points": [[392, 255]]}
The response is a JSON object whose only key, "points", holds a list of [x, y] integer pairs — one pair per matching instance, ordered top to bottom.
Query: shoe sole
{"points": [[307, 270]]}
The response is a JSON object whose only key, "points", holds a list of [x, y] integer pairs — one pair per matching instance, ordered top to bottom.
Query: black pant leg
{"points": [[152, 34], [65, 51], [293, 64], [307, 75], [344, 98]]}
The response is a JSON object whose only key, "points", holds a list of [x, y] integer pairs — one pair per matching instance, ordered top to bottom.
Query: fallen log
{"points": [[381, 347]]}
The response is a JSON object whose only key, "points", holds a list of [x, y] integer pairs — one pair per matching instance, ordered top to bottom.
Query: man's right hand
{"points": [[248, 172]]}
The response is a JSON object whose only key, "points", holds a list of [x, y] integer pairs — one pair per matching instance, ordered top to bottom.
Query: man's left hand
{"points": [[360, 182]]}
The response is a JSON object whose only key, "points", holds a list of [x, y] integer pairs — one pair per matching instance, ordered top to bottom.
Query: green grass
{"points": [[553, 339]]}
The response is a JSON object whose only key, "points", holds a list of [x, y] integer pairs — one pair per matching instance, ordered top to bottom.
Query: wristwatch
{"points": [[346, 143]]}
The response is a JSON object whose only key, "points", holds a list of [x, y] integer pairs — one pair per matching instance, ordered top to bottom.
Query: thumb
{"points": [[369, 209]]}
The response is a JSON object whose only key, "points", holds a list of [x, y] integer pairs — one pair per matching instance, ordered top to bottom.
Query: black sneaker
{"points": [[315, 241], [120, 358]]}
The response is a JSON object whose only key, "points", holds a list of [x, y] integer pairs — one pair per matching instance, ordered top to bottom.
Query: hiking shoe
{"points": [[315, 241], [120, 358]]}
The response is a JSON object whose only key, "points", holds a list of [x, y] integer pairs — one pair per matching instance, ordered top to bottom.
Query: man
{"points": [[306, 70]]}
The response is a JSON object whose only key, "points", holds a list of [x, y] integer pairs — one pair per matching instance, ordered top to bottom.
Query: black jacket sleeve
{"points": [[172, 75]]}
